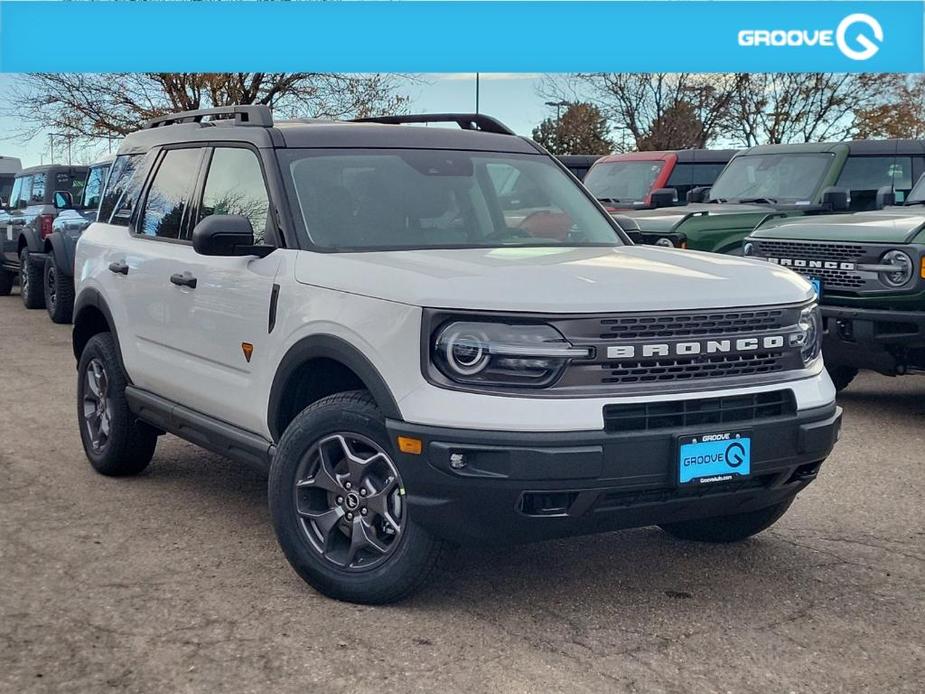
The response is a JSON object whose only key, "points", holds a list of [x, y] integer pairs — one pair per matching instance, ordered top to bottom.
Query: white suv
{"points": [[432, 335]]}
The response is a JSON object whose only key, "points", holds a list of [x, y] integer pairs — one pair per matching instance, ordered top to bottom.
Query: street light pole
{"points": [[476, 92]]}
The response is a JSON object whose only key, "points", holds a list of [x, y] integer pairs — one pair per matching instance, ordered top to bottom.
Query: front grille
{"points": [[808, 250], [832, 278], [710, 324], [652, 358], [661, 370], [681, 414]]}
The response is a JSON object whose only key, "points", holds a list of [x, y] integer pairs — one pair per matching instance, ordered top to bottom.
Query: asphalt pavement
{"points": [[173, 582]]}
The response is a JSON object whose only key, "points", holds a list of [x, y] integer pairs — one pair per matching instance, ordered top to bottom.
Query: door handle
{"points": [[119, 268], [183, 279]]}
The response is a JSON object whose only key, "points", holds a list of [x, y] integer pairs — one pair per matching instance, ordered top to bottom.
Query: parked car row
{"points": [[47, 209]]}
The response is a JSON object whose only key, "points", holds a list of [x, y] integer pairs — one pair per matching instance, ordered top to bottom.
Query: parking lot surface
{"points": [[172, 581]]}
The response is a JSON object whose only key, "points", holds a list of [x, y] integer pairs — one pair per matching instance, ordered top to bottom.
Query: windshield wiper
{"points": [[608, 200], [765, 201]]}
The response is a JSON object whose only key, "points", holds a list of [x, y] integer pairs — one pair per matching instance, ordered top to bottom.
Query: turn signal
{"points": [[922, 271], [406, 444]]}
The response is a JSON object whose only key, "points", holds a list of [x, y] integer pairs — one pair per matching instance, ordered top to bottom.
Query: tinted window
{"points": [[871, 173], [694, 175], [623, 181], [71, 183], [235, 186], [94, 187], [6, 188], [38, 188], [22, 189], [122, 189], [169, 193], [393, 199]]}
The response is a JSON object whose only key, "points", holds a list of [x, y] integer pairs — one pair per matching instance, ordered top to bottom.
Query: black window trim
{"points": [[159, 156]]}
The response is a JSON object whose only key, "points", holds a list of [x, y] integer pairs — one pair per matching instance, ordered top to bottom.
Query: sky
{"points": [[510, 97]]}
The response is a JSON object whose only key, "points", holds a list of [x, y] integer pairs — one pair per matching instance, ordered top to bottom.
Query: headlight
{"points": [[665, 242], [748, 248], [904, 268], [809, 338], [502, 354]]}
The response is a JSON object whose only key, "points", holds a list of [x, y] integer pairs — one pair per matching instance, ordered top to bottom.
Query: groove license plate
{"points": [[718, 457]]}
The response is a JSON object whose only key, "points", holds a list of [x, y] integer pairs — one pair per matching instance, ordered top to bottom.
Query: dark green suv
{"points": [[782, 181], [869, 270]]}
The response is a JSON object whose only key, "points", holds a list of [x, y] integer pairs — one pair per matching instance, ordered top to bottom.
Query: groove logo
{"points": [[858, 36]]}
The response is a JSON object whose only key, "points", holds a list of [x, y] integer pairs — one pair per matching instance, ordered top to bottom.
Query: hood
{"points": [[665, 219], [890, 225], [556, 280]]}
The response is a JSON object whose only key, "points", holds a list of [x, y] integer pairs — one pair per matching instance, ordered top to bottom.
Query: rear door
{"points": [[14, 221], [219, 329]]}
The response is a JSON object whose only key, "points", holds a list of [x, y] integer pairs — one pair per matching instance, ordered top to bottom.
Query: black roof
{"points": [[255, 125], [705, 156], [578, 159], [48, 168]]}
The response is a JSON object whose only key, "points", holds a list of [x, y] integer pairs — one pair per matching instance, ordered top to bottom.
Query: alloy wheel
{"points": [[51, 284], [97, 405], [350, 501]]}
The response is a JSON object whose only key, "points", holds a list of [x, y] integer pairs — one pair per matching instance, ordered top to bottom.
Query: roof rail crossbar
{"points": [[256, 115], [466, 121]]}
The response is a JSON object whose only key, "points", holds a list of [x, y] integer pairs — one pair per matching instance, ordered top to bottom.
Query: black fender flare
{"points": [[32, 240], [64, 248], [91, 298], [336, 349]]}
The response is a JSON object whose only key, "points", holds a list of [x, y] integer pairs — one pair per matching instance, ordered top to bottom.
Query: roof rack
{"points": [[256, 115], [466, 121]]}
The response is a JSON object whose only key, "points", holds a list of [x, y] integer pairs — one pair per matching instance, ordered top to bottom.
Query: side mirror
{"points": [[698, 194], [663, 197], [886, 197], [836, 199], [63, 200], [22, 204], [226, 235]]}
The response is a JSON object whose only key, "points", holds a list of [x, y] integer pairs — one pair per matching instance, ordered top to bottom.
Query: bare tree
{"points": [[641, 103], [91, 106], [778, 107], [901, 110]]}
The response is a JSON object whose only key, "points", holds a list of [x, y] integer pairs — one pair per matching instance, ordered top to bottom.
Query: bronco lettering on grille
{"points": [[812, 264], [687, 349]]}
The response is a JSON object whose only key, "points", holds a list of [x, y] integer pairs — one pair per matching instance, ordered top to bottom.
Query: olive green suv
{"points": [[869, 271]]}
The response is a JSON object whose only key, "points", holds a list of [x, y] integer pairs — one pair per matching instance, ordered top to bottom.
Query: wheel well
{"points": [[22, 244], [89, 322], [309, 382]]}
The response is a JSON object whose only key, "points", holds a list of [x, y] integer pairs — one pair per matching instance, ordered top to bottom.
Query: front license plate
{"points": [[817, 285], [718, 457]]}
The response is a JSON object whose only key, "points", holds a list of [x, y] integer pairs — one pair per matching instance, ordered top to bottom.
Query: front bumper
{"points": [[874, 339], [520, 487]]}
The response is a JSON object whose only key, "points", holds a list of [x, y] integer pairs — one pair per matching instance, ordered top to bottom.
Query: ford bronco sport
{"points": [[640, 180], [782, 181], [27, 222], [869, 269], [349, 305]]}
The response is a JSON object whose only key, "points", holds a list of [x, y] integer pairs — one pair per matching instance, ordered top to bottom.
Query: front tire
{"points": [[30, 281], [59, 292], [841, 376], [115, 442], [338, 505], [731, 528]]}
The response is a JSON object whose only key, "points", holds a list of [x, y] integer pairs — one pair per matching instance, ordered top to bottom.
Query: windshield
{"points": [[790, 177], [623, 181], [917, 194], [416, 199]]}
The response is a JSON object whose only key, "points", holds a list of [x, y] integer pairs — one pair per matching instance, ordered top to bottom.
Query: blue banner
{"points": [[557, 36]]}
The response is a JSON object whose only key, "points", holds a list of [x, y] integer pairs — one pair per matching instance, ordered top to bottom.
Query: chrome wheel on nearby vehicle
{"points": [[348, 496]]}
